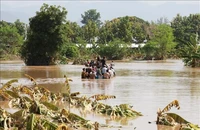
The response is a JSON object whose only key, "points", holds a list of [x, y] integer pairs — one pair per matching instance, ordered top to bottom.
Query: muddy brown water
{"points": [[146, 85]]}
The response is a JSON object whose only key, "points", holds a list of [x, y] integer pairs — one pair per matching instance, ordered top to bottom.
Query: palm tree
{"points": [[191, 52]]}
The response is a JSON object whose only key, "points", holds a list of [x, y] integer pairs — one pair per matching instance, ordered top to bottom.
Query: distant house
{"points": [[134, 45]]}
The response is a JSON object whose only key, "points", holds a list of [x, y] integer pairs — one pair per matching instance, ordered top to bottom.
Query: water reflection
{"points": [[99, 86]]}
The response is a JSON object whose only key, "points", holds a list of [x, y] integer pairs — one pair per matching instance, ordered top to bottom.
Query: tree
{"points": [[93, 16], [163, 20], [21, 27], [184, 27], [125, 28], [72, 31], [90, 31], [105, 33], [45, 36], [10, 40], [162, 41], [114, 50], [70, 51], [191, 52]]}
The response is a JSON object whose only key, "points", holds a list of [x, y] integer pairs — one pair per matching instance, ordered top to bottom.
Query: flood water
{"points": [[146, 85]]}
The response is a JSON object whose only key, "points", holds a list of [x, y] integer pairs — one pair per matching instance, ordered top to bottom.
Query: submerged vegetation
{"points": [[36, 109], [172, 119]]}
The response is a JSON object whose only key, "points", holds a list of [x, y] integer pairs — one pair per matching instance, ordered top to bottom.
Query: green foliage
{"points": [[91, 15], [184, 27], [21, 28], [124, 28], [90, 31], [71, 32], [105, 33], [45, 36], [10, 40], [161, 42], [113, 50], [150, 50], [70, 51], [191, 52]]}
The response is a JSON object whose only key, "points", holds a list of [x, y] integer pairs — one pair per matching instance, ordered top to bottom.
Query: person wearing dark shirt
{"points": [[103, 61]]}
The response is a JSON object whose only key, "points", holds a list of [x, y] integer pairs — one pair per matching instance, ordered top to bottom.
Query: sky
{"points": [[147, 10]]}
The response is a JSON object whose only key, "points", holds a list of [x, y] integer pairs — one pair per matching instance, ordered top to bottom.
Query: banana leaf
{"points": [[8, 84], [12, 94], [50, 106], [177, 118], [31, 122], [195, 127]]}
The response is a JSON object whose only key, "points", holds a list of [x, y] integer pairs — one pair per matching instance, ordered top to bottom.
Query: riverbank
{"points": [[11, 61]]}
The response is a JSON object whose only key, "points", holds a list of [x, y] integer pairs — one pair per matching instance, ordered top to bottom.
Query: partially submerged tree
{"points": [[45, 37], [162, 41], [191, 52]]}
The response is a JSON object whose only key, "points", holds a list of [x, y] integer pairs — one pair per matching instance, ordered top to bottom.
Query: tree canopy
{"points": [[91, 15], [185, 26], [125, 28], [50, 36], [45, 37], [10, 40], [161, 43]]}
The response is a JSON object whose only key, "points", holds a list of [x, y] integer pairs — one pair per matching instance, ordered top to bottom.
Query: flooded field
{"points": [[146, 85]]}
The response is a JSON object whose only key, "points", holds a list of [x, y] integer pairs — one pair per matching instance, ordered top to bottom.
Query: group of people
{"points": [[98, 69]]}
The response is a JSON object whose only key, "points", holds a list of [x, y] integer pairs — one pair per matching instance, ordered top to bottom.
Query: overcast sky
{"points": [[147, 10]]}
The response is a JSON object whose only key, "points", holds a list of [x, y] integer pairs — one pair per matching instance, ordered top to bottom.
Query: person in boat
{"points": [[103, 61], [98, 62], [87, 63], [92, 63], [112, 64], [104, 69], [88, 70], [112, 71], [98, 73], [84, 74], [92, 75], [106, 75]]}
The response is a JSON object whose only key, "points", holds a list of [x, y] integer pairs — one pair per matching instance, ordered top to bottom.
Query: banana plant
{"points": [[191, 52], [37, 109], [172, 119]]}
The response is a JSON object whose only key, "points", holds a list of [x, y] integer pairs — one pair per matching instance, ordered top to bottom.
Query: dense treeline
{"points": [[50, 38]]}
